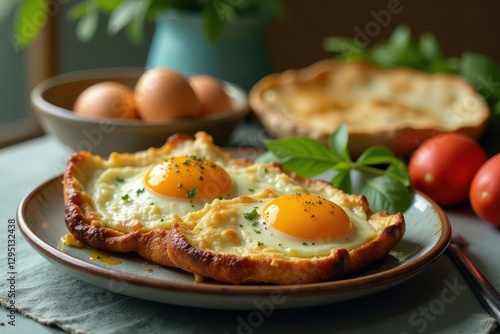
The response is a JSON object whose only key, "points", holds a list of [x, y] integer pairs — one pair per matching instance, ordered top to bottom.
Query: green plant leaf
{"points": [[108, 6], [274, 7], [78, 10], [225, 10], [32, 16], [122, 16], [213, 24], [87, 25], [135, 29], [400, 37], [346, 47], [429, 47], [399, 50], [446, 65], [483, 73], [338, 141], [303, 155], [376, 155], [399, 171], [342, 181], [386, 194]]}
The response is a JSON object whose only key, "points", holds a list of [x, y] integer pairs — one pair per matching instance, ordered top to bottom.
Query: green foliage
{"points": [[128, 15], [425, 54], [384, 177]]}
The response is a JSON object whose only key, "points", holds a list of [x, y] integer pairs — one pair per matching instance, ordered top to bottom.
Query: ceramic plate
{"points": [[41, 220]]}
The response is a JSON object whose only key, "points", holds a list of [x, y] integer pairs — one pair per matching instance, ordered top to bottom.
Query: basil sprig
{"points": [[383, 178]]}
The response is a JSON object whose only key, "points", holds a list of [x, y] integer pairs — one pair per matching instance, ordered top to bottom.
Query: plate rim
{"points": [[348, 285]]}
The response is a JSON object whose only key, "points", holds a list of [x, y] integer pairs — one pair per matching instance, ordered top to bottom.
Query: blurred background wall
{"points": [[294, 43]]}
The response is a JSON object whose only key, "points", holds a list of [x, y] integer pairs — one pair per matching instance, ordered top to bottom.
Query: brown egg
{"points": [[163, 94], [211, 94], [106, 100]]}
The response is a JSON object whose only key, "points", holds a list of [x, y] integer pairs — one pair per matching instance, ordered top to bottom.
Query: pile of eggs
{"points": [[160, 94]]}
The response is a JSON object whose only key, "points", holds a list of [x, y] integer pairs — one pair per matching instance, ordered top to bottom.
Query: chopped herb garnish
{"points": [[195, 157], [186, 162], [201, 177], [120, 179], [251, 189], [139, 191], [191, 192], [125, 197], [152, 203], [251, 215], [162, 220], [257, 231], [259, 243], [304, 243]]}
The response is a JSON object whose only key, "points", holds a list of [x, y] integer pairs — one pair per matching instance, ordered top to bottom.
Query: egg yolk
{"points": [[188, 177], [307, 217]]}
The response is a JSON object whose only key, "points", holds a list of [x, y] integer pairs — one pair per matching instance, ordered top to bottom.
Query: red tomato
{"points": [[443, 167], [485, 191]]}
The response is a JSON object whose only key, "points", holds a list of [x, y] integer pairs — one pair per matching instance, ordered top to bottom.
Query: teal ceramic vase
{"points": [[240, 55]]}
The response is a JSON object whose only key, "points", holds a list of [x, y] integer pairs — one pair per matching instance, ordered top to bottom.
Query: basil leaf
{"points": [[337, 143], [303, 155], [377, 155], [398, 170], [342, 181], [386, 194]]}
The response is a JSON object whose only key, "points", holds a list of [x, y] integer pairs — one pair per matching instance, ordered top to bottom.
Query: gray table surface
{"points": [[25, 165]]}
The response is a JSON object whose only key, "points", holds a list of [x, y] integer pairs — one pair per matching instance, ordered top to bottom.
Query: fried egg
{"points": [[298, 225]]}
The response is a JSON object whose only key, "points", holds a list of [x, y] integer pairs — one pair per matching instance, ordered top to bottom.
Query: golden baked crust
{"points": [[398, 108], [85, 224]]}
